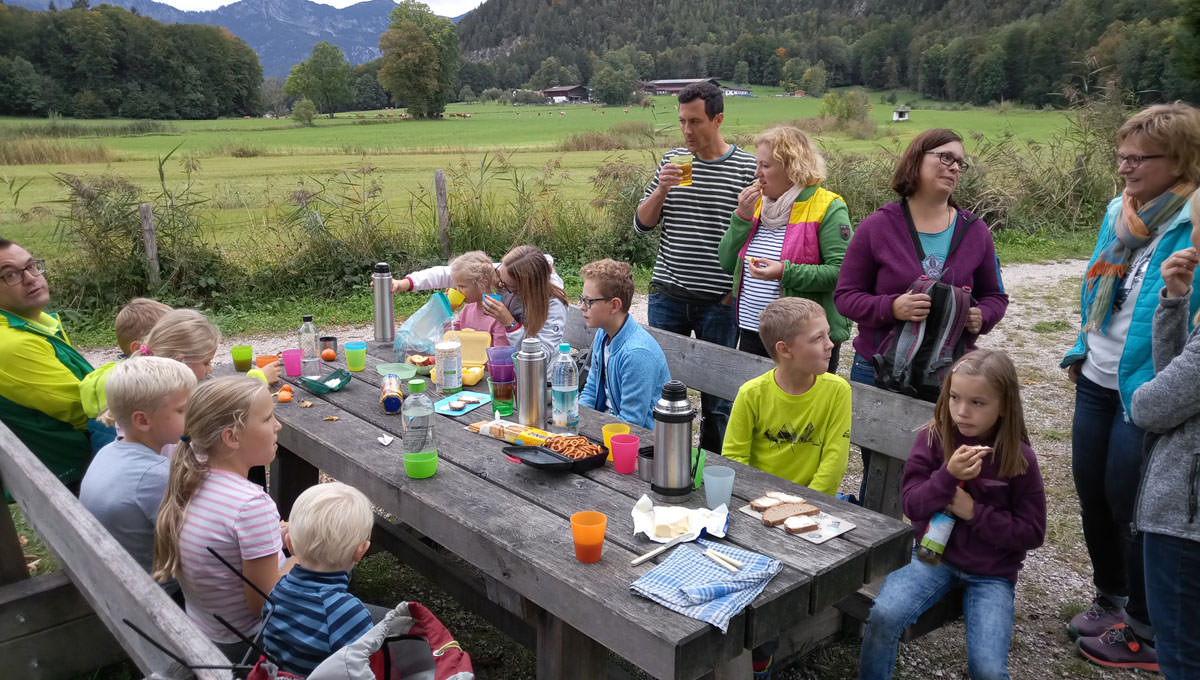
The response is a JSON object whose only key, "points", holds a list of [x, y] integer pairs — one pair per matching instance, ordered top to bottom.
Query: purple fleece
{"points": [[881, 263], [1010, 514]]}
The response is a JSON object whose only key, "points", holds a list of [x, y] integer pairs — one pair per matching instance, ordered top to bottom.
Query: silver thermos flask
{"points": [[385, 322], [530, 365], [674, 470]]}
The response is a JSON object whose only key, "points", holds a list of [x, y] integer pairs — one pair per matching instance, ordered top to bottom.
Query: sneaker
{"points": [[1097, 619], [1118, 647], [765, 674]]}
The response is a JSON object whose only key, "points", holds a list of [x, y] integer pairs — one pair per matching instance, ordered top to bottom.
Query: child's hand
{"points": [[767, 270], [1178, 270], [271, 371], [966, 462], [963, 505], [287, 536]]}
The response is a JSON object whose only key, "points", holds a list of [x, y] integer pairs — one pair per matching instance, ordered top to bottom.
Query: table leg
{"points": [[290, 475], [12, 555], [564, 653], [737, 668]]}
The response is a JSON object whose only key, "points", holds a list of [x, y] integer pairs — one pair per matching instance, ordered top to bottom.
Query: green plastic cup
{"points": [[356, 356], [243, 358]]}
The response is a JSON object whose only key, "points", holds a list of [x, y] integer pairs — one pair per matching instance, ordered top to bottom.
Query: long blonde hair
{"points": [[476, 266], [527, 266], [184, 335], [997, 369], [216, 406]]}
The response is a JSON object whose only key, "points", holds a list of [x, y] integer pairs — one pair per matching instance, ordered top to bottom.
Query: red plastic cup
{"points": [[291, 361], [624, 451], [587, 531]]}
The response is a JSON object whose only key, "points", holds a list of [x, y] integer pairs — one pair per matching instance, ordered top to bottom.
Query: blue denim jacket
{"points": [[1137, 362], [637, 370]]}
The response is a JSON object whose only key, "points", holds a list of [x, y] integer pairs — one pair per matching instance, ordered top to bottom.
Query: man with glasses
{"points": [[689, 290], [628, 367], [41, 371]]}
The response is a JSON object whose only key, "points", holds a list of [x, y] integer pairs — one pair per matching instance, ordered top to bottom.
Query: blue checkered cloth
{"points": [[695, 586]]}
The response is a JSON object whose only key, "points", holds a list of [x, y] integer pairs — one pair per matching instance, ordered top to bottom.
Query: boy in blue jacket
{"points": [[628, 367]]}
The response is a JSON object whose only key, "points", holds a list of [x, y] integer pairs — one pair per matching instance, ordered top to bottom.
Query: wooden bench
{"points": [[884, 423], [68, 623]]}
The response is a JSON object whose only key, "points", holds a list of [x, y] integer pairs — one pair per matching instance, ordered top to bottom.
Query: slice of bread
{"points": [[785, 497], [763, 502], [808, 509], [775, 515], [798, 524]]}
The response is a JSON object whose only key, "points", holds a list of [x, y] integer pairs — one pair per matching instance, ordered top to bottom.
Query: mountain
{"points": [[282, 32]]}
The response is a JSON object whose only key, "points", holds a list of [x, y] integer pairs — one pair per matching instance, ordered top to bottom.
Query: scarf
{"points": [[775, 212], [1137, 225]]}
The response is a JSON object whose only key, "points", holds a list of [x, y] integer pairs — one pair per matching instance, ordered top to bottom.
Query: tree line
{"points": [[108, 61]]}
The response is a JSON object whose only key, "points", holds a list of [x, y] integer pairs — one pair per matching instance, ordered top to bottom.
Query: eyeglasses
{"points": [[950, 160], [1135, 160], [13, 276], [586, 303]]}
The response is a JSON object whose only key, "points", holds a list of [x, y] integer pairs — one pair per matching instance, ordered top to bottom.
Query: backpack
{"points": [[914, 357]]}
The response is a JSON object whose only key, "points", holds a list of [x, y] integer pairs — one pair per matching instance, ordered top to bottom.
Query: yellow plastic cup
{"points": [[456, 297], [356, 356], [609, 430]]}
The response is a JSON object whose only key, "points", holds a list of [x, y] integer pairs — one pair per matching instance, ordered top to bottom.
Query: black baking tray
{"points": [[543, 458]]}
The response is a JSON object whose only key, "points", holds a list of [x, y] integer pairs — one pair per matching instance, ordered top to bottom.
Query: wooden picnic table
{"points": [[512, 523]]}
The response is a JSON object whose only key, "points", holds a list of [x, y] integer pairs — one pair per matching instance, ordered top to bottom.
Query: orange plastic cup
{"points": [[264, 360], [608, 431], [587, 530]]}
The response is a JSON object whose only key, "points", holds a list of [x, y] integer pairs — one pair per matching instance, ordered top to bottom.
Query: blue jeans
{"points": [[714, 322], [863, 371], [1106, 462], [910, 590], [1172, 591]]}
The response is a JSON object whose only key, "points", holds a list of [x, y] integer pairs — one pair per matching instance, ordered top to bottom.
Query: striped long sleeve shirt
{"points": [[694, 218], [311, 615]]}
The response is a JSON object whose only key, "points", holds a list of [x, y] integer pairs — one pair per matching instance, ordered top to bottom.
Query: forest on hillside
{"points": [[979, 51]]}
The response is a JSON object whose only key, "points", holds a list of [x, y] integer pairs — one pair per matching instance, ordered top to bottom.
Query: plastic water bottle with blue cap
{"points": [[564, 385]]}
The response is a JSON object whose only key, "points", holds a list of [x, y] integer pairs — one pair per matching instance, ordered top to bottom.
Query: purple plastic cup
{"points": [[501, 355], [291, 361], [502, 372]]}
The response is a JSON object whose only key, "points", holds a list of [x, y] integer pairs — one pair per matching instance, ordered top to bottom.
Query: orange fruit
{"points": [[328, 354], [285, 396]]}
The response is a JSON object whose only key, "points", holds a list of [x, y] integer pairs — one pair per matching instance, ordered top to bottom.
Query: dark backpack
{"points": [[914, 357]]}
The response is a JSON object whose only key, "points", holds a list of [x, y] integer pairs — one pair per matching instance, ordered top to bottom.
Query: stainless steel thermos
{"points": [[385, 322], [530, 366], [674, 470]]}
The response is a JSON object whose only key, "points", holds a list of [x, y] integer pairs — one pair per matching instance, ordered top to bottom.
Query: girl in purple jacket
{"points": [[973, 460]]}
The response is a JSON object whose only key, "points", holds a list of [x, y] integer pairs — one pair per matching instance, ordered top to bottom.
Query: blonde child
{"points": [[474, 276], [133, 324], [187, 336], [794, 420], [230, 427], [973, 459], [125, 483], [311, 614]]}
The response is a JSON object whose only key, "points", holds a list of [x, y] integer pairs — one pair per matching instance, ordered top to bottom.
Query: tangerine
{"points": [[328, 354]]}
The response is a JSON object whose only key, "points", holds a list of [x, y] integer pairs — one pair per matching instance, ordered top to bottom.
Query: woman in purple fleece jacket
{"points": [[972, 460]]}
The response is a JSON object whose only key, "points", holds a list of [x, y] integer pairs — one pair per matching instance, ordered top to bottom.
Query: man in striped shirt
{"points": [[689, 290]]}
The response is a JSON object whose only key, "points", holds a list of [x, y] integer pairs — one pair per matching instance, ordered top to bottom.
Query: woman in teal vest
{"points": [[787, 237]]}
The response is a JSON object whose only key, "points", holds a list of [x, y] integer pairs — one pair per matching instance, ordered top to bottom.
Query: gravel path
{"points": [[1040, 325]]}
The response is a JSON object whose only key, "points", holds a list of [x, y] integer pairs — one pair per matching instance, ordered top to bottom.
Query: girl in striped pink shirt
{"points": [[230, 427]]}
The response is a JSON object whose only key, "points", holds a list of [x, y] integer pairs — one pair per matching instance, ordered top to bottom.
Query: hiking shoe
{"points": [[1097, 619], [1118, 647], [765, 673]]}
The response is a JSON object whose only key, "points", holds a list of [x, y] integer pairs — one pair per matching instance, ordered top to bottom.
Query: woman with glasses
{"points": [[1158, 156], [925, 233], [786, 238], [532, 302]]}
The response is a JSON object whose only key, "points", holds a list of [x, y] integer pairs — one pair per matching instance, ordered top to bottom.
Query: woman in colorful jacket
{"points": [[1158, 155], [787, 237]]}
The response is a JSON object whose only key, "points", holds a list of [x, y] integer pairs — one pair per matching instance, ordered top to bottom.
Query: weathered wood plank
{"points": [[887, 421], [115, 586], [565, 653]]}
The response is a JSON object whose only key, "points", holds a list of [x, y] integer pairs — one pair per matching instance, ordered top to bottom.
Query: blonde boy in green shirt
{"points": [[794, 420]]}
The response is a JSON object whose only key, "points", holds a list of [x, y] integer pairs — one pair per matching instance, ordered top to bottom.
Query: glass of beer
{"points": [[684, 161]]}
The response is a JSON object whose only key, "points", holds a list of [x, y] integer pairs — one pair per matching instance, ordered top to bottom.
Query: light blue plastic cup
{"points": [[718, 486]]}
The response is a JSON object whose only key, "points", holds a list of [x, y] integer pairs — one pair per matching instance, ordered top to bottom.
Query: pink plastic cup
{"points": [[291, 361], [624, 450]]}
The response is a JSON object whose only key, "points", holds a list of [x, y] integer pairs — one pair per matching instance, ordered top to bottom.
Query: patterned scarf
{"points": [[775, 212], [1136, 227]]}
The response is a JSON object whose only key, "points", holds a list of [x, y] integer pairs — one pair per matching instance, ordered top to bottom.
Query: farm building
{"points": [[673, 86], [565, 93], [900, 114]]}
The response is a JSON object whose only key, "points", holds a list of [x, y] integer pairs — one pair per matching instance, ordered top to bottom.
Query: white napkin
{"points": [[645, 513]]}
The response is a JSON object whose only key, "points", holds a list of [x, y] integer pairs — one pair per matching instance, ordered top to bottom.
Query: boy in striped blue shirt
{"points": [[311, 611]]}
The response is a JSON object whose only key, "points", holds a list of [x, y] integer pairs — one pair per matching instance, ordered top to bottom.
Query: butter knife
{"points": [[669, 544]]}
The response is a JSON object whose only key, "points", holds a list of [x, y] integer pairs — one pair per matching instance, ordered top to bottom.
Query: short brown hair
{"points": [[1174, 128], [795, 151], [907, 177], [615, 279], [784, 318], [135, 320]]}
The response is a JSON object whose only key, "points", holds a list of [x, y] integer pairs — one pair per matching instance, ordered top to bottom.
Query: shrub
{"points": [[304, 111], [592, 141]]}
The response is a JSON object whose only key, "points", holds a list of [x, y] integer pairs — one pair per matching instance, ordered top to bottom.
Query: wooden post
{"points": [[146, 211], [443, 211]]}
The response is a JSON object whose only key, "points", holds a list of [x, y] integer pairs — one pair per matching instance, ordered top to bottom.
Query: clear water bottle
{"points": [[310, 365], [564, 385], [418, 419]]}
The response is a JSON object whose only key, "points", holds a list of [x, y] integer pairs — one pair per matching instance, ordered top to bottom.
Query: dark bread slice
{"points": [[774, 516]]}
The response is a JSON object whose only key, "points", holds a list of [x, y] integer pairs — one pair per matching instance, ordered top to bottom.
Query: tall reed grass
{"points": [[48, 151]]}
